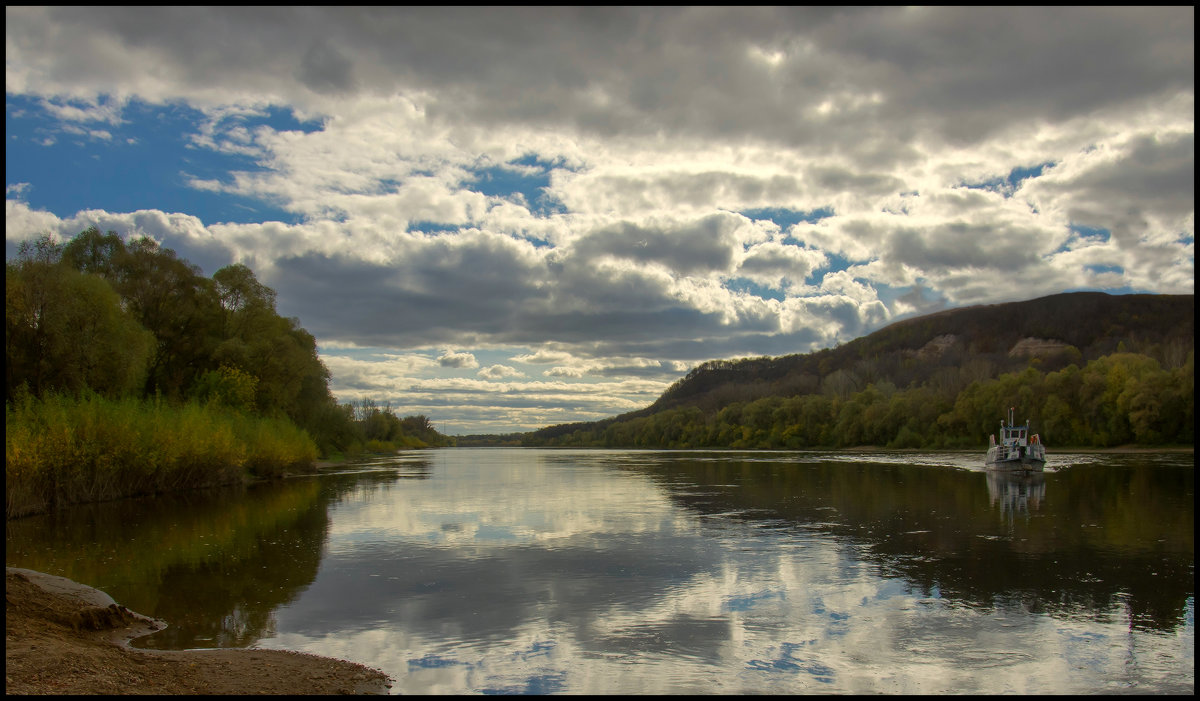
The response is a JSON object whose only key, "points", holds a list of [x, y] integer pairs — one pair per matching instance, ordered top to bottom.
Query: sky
{"points": [[509, 218]]}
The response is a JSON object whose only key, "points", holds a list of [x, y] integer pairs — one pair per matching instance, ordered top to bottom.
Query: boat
{"points": [[1018, 450]]}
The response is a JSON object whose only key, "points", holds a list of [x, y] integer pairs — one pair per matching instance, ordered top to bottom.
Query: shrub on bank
{"points": [[273, 446], [64, 450]]}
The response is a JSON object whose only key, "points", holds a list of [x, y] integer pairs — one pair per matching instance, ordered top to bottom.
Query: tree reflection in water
{"points": [[1089, 537], [214, 564], [473, 570]]}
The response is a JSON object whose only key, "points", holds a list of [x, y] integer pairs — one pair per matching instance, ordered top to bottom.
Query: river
{"points": [[497, 570]]}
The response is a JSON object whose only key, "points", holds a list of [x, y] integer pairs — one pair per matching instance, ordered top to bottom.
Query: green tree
{"points": [[96, 253], [178, 305], [65, 331], [283, 356], [228, 386]]}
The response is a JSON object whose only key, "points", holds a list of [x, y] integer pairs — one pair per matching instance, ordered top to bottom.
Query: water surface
{"points": [[594, 571]]}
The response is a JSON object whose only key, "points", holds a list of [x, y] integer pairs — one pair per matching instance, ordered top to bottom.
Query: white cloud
{"points": [[87, 110], [616, 226], [777, 265], [460, 359], [499, 372]]}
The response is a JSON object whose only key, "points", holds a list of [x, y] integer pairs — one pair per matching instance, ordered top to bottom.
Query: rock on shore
{"points": [[62, 637]]}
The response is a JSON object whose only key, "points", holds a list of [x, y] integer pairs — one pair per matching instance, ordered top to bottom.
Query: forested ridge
{"points": [[1088, 368], [127, 371]]}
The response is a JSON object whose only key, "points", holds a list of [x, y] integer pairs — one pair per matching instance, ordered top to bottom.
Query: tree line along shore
{"points": [[1089, 369], [128, 372], [1122, 399]]}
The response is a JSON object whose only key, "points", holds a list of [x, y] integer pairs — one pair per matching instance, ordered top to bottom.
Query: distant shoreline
{"points": [[1130, 449]]}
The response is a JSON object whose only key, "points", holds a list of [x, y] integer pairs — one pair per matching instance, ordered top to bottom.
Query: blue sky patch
{"points": [[144, 162], [515, 178], [1009, 184], [786, 218], [432, 227], [1089, 232], [837, 263], [750, 287], [1123, 290], [492, 533], [745, 603], [537, 649], [788, 661], [433, 662], [549, 683]]}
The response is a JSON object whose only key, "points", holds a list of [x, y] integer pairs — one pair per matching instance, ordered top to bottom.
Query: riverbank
{"points": [[61, 450], [62, 637]]}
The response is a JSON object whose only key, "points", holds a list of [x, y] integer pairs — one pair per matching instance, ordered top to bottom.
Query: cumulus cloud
{"points": [[683, 70], [623, 192], [182, 232], [700, 246], [777, 265], [452, 359], [499, 372]]}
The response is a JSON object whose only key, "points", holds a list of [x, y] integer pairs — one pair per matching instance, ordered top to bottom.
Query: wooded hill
{"points": [[926, 382]]}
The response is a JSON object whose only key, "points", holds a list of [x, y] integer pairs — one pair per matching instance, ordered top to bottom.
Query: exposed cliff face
{"points": [[938, 346], [1037, 348]]}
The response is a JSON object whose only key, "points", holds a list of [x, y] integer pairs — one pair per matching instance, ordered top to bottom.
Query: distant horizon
{"points": [[519, 217], [914, 316]]}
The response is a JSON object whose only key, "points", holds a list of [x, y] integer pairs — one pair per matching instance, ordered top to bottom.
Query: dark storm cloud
{"points": [[325, 70], [974, 70], [755, 73], [1154, 175], [843, 179], [701, 190], [700, 246], [962, 246], [459, 293], [426, 300], [458, 360]]}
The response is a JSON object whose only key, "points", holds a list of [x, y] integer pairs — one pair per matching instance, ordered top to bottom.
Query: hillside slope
{"points": [[948, 350]]}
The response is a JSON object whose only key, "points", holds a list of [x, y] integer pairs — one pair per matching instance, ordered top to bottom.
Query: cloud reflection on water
{"points": [[568, 576]]}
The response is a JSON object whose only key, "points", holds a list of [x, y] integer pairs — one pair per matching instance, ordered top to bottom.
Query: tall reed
{"points": [[64, 450]]}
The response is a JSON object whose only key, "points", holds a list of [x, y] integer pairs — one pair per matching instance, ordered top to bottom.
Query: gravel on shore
{"points": [[62, 637]]}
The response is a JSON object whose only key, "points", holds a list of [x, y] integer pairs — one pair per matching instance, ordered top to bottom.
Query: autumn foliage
{"points": [[1088, 369], [127, 371]]}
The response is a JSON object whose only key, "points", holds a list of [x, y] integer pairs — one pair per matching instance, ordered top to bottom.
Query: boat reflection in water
{"points": [[1016, 492]]}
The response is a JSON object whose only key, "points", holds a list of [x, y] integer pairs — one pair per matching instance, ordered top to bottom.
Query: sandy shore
{"points": [[62, 637]]}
